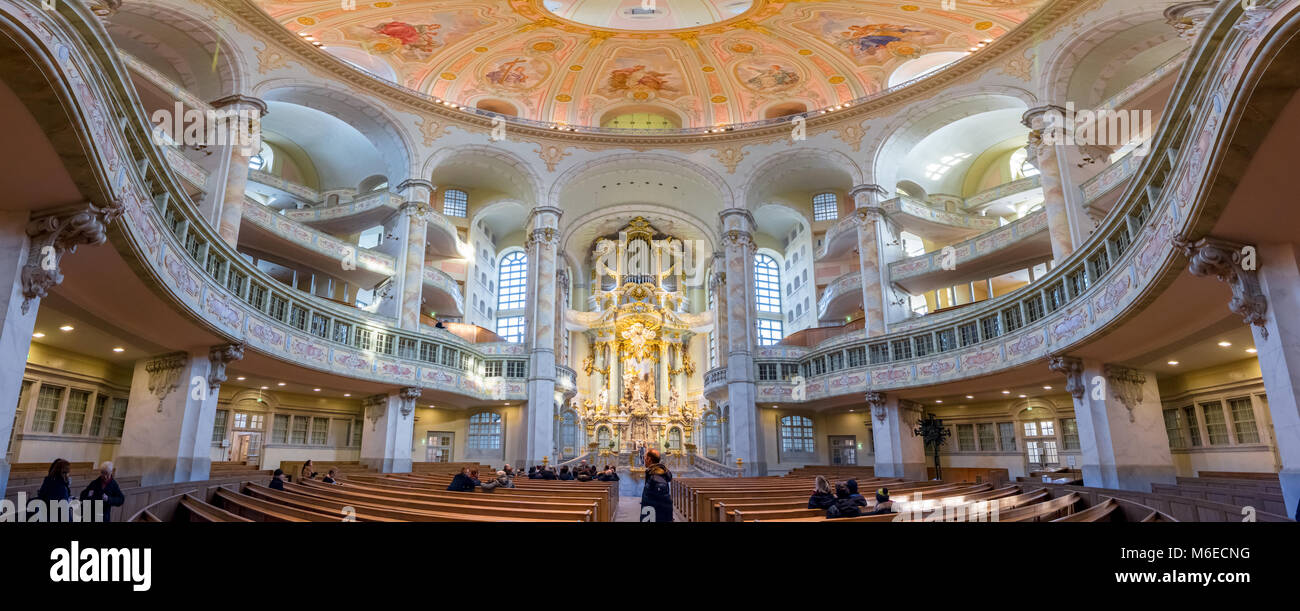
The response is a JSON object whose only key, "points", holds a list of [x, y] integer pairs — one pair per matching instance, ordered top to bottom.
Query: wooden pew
{"points": [[524, 500], [467, 506], [200, 511], [739, 512], [1101, 512]]}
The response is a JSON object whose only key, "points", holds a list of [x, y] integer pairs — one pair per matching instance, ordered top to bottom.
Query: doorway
{"points": [[438, 446], [844, 449]]}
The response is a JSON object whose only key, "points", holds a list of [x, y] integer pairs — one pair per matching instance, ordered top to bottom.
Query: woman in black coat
{"points": [[55, 487], [105, 489], [821, 497]]}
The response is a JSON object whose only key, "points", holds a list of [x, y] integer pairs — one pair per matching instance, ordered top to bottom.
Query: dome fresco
{"points": [[701, 62]]}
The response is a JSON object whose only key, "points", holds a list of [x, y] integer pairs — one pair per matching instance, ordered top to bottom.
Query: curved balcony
{"points": [[281, 188], [1102, 191], [1006, 194], [351, 217], [935, 224], [264, 230], [840, 240], [1012, 247], [177, 254], [1106, 282], [442, 294], [841, 298], [566, 381], [715, 383]]}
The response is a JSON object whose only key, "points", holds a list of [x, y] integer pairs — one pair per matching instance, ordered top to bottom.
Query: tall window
{"points": [[455, 202], [826, 207], [512, 278], [767, 294], [511, 328], [1243, 420], [485, 431], [569, 434], [797, 434], [712, 436]]}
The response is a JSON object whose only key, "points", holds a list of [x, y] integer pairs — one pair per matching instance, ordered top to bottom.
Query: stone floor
{"points": [[629, 491]]}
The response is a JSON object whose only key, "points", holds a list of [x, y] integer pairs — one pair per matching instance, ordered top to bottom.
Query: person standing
{"points": [[55, 485], [105, 489], [656, 500]]}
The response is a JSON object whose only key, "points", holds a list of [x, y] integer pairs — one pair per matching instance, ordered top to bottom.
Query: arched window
{"points": [[263, 160], [1020, 165], [455, 202], [826, 207], [512, 278], [767, 296], [485, 431], [569, 434], [797, 435], [602, 437], [712, 437], [675, 439]]}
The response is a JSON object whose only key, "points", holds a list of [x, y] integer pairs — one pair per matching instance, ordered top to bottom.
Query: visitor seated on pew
{"points": [[307, 472], [510, 472], [548, 473], [533, 474], [565, 474], [582, 475], [608, 475], [331, 477], [277, 480], [465, 481], [502, 481], [55, 486], [105, 489], [821, 497], [858, 499], [656, 500], [883, 504], [844, 506]]}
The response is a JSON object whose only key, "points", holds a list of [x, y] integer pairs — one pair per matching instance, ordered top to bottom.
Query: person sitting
{"points": [[439, 325], [509, 470], [307, 471], [548, 473], [533, 474], [565, 474], [608, 475], [331, 477], [277, 480], [464, 481], [502, 481], [55, 485], [105, 489], [821, 497], [858, 499], [883, 504], [844, 506]]}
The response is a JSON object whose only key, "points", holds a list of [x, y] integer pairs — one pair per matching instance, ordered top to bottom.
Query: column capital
{"points": [[1189, 18], [241, 102], [1035, 117], [871, 188], [417, 190], [415, 208], [541, 212], [736, 218], [58, 232], [543, 236], [1227, 261], [219, 357], [1072, 368], [165, 374], [1126, 385], [408, 395], [876, 401], [374, 407]]}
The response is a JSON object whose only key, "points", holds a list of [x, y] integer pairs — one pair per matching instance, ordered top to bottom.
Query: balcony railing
{"points": [[979, 246]]}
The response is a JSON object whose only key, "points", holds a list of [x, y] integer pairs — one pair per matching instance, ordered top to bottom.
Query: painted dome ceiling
{"points": [[694, 63]]}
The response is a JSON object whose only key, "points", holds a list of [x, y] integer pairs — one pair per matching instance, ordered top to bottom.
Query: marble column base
{"points": [[388, 465]]}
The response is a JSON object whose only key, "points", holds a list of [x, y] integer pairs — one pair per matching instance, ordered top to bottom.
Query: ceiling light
{"points": [[303, 34], [66, 328], [38, 335], [1224, 344], [119, 350], [1251, 350], [1173, 362], [280, 384], [265, 387], [1047, 388], [315, 390], [1006, 392], [347, 394], [970, 396], [1022, 396], [938, 400]]}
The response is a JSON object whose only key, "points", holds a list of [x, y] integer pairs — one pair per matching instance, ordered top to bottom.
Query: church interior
{"points": [[1012, 260]]}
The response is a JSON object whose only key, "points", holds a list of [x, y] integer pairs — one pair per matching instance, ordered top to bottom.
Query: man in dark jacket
{"points": [[548, 473], [533, 474], [565, 474], [277, 480], [464, 481], [105, 489], [857, 498], [656, 501], [843, 507]]}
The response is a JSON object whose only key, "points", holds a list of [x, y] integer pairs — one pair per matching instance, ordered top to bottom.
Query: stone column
{"points": [[1045, 139], [243, 142], [416, 211], [869, 220], [542, 246], [31, 248], [738, 248], [718, 284], [1267, 298], [170, 413], [1121, 424], [386, 443], [899, 453]]}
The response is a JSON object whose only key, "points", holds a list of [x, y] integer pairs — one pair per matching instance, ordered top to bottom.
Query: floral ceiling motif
{"points": [[710, 62]]}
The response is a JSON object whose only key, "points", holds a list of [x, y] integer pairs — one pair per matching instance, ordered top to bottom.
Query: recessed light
{"points": [[66, 328], [38, 335], [1224, 344], [119, 350], [1251, 350], [1173, 362], [240, 378], [280, 384], [265, 387], [1047, 388], [315, 390], [1006, 392], [347, 394], [970, 396], [1022, 396], [938, 400], [850, 411]]}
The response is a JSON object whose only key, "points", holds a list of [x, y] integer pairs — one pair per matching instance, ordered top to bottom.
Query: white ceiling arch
{"points": [[182, 45], [1060, 66], [464, 165], [801, 169], [654, 178], [580, 233]]}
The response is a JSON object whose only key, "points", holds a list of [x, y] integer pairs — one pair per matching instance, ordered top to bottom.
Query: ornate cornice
{"points": [[240, 102], [57, 233], [546, 236], [735, 238], [1223, 259], [219, 357], [1072, 368], [165, 375], [1126, 385], [408, 396], [876, 401], [374, 407]]}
